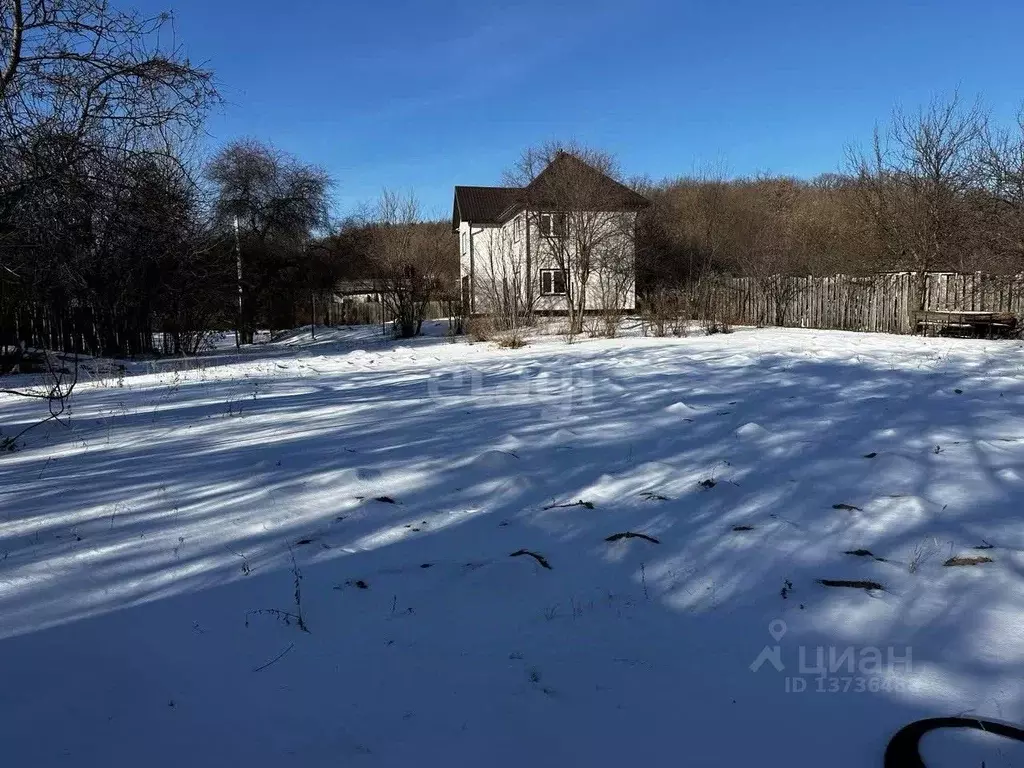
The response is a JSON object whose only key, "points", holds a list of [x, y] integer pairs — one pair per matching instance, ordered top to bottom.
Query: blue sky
{"points": [[421, 95]]}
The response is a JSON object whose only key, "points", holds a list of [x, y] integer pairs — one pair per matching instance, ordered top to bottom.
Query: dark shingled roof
{"points": [[567, 172], [484, 205], [496, 205]]}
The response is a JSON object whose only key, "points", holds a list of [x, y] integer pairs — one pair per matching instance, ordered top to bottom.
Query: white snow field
{"points": [[147, 586]]}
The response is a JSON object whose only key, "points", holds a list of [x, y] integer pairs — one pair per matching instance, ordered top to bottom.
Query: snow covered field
{"points": [[150, 555]]}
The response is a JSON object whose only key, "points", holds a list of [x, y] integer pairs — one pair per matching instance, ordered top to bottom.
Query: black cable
{"points": [[902, 751]]}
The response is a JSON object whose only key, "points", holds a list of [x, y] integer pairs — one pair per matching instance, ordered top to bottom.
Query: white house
{"points": [[569, 236]]}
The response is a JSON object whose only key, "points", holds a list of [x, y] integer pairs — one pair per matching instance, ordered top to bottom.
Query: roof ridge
{"points": [[481, 186]]}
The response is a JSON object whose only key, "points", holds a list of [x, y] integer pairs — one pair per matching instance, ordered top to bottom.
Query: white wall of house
{"points": [[499, 263], [498, 266], [611, 283]]}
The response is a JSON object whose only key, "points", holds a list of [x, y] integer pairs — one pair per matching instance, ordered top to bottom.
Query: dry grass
{"points": [[480, 328], [511, 340], [632, 535], [923, 552], [967, 560], [851, 583]]}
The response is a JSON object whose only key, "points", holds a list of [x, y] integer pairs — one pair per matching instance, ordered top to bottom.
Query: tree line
{"points": [[937, 189], [119, 235]]}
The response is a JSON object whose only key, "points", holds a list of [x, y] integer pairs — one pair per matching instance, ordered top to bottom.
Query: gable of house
{"points": [[568, 183], [557, 187]]}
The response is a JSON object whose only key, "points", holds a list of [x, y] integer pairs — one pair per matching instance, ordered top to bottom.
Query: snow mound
{"points": [[736, 360], [681, 409], [752, 431], [560, 436], [510, 443], [494, 460], [1009, 475]]}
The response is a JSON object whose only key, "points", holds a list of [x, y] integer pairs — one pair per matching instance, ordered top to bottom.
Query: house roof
{"points": [[569, 177], [484, 205], [496, 205]]}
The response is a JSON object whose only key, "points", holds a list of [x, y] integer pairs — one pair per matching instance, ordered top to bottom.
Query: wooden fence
{"points": [[881, 303], [358, 311], [74, 329]]}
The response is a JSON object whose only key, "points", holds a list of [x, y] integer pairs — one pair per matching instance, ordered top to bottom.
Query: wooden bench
{"points": [[963, 322]]}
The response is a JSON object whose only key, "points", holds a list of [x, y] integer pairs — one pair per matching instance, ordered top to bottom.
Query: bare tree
{"points": [[81, 76], [96, 113], [1001, 163], [916, 183], [577, 214], [687, 232], [774, 257], [411, 261], [614, 270], [503, 279], [55, 386]]}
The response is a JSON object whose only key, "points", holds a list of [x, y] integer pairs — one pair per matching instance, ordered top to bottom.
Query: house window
{"points": [[552, 224], [517, 225], [463, 243], [552, 282]]}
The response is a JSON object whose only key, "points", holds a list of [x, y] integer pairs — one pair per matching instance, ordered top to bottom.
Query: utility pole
{"points": [[238, 266], [312, 292], [3, 315]]}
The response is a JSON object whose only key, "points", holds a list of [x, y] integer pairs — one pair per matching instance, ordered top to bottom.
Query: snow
{"points": [[144, 550]]}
